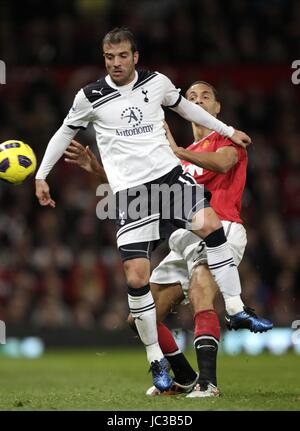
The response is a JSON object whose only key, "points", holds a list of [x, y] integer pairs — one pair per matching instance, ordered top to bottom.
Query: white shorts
{"points": [[188, 251]]}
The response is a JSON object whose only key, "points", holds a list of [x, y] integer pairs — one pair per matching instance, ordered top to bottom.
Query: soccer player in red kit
{"points": [[221, 166]]}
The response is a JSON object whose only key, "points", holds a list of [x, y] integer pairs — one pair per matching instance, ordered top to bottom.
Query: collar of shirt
{"points": [[122, 88]]}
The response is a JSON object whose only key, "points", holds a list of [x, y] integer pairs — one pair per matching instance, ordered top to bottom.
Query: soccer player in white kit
{"points": [[125, 108]]}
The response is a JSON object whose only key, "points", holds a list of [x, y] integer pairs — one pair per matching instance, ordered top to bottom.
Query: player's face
{"points": [[120, 62], [203, 95]]}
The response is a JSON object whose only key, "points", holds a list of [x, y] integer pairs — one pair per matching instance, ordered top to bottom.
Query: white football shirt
{"points": [[129, 125]]}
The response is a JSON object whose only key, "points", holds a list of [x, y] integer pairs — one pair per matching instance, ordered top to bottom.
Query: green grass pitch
{"points": [[117, 380]]}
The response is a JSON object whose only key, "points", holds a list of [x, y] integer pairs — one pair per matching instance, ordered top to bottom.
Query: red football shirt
{"points": [[226, 189]]}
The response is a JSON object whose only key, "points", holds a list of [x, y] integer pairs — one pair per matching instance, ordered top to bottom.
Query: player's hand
{"points": [[240, 138], [81, 156], [42, 192]]}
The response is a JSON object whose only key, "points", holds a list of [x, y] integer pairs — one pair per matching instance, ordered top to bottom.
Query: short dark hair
{"points": [[120, 34], [214, 90]]}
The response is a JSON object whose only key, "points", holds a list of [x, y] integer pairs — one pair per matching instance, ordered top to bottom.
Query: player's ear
{"points": [[136, 57], [218, 107]]}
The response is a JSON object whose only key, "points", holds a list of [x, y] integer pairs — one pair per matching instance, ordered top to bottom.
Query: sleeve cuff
{"points": [[175, 104], [231, 131]]}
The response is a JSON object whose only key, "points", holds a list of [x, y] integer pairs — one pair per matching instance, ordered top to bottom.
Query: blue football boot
{"points": [[247, 319], [160, 374]]}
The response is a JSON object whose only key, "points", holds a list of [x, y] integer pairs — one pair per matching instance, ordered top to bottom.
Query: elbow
{"points": [[226, 165], [221, 168], [224, 169]]}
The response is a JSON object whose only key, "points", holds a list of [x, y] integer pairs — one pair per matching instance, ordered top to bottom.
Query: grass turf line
{"points": [[117, 380]]}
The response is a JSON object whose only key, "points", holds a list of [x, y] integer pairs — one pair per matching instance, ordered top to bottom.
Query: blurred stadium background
{"points": [[60, 274]]}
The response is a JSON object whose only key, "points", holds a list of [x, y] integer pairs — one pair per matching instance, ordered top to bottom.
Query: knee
{"points": [[209, 223], [209, 227], [136, 276], [136, 281]]}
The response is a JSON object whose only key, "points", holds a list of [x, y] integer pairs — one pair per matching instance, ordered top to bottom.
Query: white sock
{"points": [[224, 270], [233, 304], [143, 311], [154, 352]]}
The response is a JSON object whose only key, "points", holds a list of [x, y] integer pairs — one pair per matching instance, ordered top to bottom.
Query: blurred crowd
{"points": [[68, 31], [60, 267]]}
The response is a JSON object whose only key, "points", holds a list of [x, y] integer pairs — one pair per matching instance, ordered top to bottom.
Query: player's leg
{"points": [[197, 215], [203, 221], [137, 235], [219, 255], [221, 264], [177, 266], [169, 283], [202, 292], [166, 298], [141, 304], [143, 310]]}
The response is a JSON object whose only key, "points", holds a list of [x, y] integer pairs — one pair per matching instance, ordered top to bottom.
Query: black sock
{"points": [[215, 238], [206, 351], [183, 372]]}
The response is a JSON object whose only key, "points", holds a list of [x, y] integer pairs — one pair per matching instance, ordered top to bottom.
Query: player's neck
{"points": [[128, 81], [122, 85], [200, 132]]}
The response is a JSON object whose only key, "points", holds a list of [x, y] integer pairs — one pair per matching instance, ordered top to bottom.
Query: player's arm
{"points": [[196, 114], [77, 118], [55, 149], [83, 157], [220, 161]]}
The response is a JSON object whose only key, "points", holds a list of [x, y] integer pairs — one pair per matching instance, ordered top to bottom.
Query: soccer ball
{"points": [[17, 161]]}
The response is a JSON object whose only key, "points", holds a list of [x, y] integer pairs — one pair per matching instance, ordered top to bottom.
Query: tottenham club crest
{"points": [[145, 93], [132, 115], [122, 217]]}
